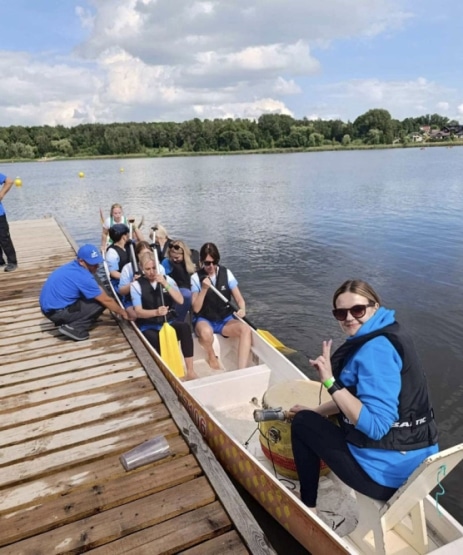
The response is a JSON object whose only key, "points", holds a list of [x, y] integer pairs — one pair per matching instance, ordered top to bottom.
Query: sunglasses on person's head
{"points": [[176, 248], [208, 262], [357, 311]]}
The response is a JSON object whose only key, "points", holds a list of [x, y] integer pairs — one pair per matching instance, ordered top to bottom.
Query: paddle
{"points": [[133, 258], [271, 339], [170, 351]]}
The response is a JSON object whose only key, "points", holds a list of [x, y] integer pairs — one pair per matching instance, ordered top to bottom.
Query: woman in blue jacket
{"points": [[379, 394]]}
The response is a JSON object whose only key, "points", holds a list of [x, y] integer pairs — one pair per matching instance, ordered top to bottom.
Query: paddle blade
{"points": [[274, 342], [170, 350]]}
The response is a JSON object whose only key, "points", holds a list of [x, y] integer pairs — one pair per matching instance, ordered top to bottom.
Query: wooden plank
{"points": [[27, 301], [10, 312], [25, 329], [48, 341], [62, 353], [111, 362], [64, 386], [20, 415], [85, 416], [42, 444], [81, 453], [68, 482], [100, 496], [121, 521], [173, 535], [226, 543]]}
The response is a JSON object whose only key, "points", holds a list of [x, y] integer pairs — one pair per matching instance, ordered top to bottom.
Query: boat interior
{"points": [[231, 395], [408, 523]]}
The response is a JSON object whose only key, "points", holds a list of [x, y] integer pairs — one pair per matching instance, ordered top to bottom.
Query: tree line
{"points": [[269, 131]]}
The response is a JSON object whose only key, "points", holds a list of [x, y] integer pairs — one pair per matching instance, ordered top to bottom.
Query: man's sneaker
{"points": [[10, 267], [77, 335]]}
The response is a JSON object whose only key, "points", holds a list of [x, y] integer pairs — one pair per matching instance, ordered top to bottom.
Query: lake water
{"points": [[293, 227]]}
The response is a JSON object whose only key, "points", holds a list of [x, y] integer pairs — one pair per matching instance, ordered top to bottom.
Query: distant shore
{"points": [[155, 153]]}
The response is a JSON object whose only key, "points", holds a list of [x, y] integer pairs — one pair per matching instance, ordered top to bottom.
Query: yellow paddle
{"points": [[271, 339], [170, 350]]}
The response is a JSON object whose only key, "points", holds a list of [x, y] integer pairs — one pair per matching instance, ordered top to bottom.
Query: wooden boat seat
{"points": [[229, 389], [407, 511]]}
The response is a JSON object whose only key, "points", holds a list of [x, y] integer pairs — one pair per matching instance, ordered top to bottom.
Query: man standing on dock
{"points": [[6, 244], [71, 297]]}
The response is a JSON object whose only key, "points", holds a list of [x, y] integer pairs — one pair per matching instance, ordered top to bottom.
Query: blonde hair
{"points": [[115, 205], [160, 231], [145, 258], [189, 265], [358, 287]]}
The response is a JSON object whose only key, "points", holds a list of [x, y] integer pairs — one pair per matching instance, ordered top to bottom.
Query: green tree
{"points": [[374, 119], [374, 137], [316, 139], [247, 140], [346, 140], [62, 146], [20, 150]]}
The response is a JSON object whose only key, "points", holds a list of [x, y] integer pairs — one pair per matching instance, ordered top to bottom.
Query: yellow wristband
{"points": [[167, 287]]}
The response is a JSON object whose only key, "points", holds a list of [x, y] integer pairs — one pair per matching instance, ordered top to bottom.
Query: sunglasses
{"points": [[176, 248], [208, 262], [357, 311]]}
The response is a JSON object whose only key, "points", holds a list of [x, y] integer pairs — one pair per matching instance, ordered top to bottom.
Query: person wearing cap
{"points": [[6, 244], [116, 255], [71, 297]]}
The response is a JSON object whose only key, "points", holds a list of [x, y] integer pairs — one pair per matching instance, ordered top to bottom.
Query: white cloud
{"points": [[143, 29], [157, 60], [286, 87], [34, 91], [402, 98], [443, 106], [460, 109], [250, 110]]}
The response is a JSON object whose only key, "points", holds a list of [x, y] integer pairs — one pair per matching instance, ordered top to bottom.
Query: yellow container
{"points": [[275, 437]]}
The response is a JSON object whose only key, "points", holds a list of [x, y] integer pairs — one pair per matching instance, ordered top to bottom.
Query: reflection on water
{"points": [[293, 227]]}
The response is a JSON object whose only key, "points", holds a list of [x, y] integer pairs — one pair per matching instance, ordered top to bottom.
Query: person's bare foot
{"points": [[214, 363], [191, 376]]}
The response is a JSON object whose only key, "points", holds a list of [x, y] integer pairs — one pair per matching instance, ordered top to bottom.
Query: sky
{"points": [[67, 62]]}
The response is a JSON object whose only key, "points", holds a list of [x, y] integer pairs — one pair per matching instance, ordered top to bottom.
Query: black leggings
{"points": [[6, 244], [183, 331], [314, 437]]}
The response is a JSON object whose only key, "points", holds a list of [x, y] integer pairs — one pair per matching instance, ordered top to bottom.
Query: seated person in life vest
{"points": [[116, 216], [117, 254], [180, 267], [129, 274], [71, 297], [152, 312], [211, 314], [380, 396]]}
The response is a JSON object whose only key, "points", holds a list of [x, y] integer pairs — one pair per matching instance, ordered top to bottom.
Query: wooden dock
{"points": [[68, 410]]}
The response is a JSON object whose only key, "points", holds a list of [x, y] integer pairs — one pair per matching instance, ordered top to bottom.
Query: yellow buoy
{"points": [[121, 170], [81, 174], [18, 182]]}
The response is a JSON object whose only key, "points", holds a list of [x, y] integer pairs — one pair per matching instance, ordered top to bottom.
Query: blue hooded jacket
{"points": [[375, 371]]}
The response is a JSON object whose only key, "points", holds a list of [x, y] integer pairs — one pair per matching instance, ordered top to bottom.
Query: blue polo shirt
{"points": [[2, 181], [66, 285]]}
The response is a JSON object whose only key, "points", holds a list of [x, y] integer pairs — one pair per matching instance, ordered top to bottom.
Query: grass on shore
{"points": [[165, 153]]}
